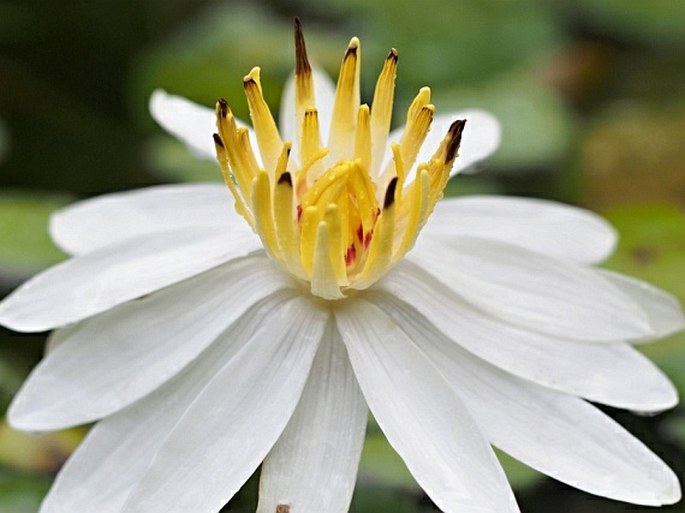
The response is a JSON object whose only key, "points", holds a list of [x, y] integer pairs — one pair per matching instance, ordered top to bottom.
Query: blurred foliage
{"points": [[590, 93], [26, 247]]}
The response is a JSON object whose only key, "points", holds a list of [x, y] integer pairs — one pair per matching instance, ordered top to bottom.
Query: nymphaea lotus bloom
{"points": [[205, 351]]}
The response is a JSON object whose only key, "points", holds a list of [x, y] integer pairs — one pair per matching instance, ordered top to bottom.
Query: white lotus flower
{"points": [[204, 350]]}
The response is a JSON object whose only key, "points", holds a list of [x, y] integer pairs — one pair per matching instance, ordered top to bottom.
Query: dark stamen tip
{"points": [[351, 52], [393, 55], [301, 61], [223, 106], [455, 131], [217, 140], [286, 179], [390, 194]]}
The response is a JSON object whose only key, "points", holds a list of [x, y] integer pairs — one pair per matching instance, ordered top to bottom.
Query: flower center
{"points": [[339, 215]]}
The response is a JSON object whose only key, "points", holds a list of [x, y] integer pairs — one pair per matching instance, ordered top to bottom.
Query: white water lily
{"points": [[205, 350]]}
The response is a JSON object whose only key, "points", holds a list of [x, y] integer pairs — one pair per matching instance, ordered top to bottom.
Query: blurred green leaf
{"points": [[652, 22], [454, 43], [207, 58], [537, 128], [633, 154], [173, 162], [25, 245], [652, 248], [10, 380], [676, 429], [37, 453], [381, 466], [520, 476], [21, 493], [382, 499]]}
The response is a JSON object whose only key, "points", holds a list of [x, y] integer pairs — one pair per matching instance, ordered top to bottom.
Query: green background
{"points": [[591, 95]]}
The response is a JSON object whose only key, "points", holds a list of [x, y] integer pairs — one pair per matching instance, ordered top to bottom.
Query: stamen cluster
{"points": [[335, 216]]}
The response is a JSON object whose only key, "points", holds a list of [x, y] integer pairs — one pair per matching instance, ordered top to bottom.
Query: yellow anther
{"points": [[304, 81], [346, 106], [381, 111], [419, 118], [268, 138], [362, 143], [310, 147], [239, 153], [222, 158], [400, 170], [327, 188], [362, 193], [263, 212], [413, 212], [335, 220], [308, 235], [336, 243], [381, 248], [323, 282]]}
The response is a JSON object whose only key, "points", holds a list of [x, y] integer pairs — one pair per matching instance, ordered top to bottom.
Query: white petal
{"points": [[324, 95], [190, 123], [480, 139], [94, 223], [556, 230], [95, 282], [533, 291], [665, 314], [105, 363], [613, 374], [236, 418], [422, 419], [557, 434], [322, 441], [116, 453]]}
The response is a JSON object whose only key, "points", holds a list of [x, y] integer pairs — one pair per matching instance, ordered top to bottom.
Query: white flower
{"points": [[203, 355]]}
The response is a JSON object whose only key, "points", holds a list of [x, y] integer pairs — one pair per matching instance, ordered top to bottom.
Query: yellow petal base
{"points": [[337, 219]]}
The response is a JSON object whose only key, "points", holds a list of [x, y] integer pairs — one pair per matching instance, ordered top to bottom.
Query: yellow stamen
{"points": [[304, 83], [346, 106], [381, 112], [419, 119], [265, 128], [362, 143], [311, 153], [222, 158], [264, 217], [334, 219], [286, 225], [380, 250], [324, 283]]}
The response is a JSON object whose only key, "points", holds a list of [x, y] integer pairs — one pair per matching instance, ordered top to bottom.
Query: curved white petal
{"points": [[324, 95], [190, 123], [480, 139], [97, 222], [556, 230], [95, 282], [532, 290], [665, 313], [103, 364], [612, 374], [236, 418], [421, 418], [557, 434], [322, 441], [115, 455]]}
